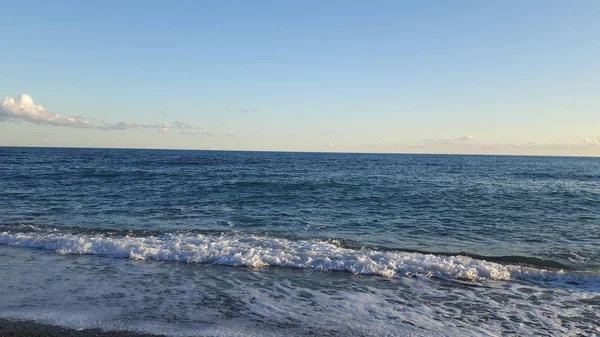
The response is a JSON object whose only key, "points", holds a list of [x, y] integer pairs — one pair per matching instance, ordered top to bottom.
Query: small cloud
{"points": [[107, 125], [173, 125], [182, 125], [152, 126], [164, 130], [466, 139]]}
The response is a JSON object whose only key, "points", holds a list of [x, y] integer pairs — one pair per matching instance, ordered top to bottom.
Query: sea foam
{"points": [[251, 250], [176, 299]]}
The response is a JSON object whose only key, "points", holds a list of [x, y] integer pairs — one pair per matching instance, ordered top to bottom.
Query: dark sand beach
{"points": [[34, 329]]}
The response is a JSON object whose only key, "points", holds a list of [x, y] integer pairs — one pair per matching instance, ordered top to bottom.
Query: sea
{"points": [[226, 243]]}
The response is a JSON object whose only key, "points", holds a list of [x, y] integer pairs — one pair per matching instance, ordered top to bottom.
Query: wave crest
{"points": [[242, 249]]}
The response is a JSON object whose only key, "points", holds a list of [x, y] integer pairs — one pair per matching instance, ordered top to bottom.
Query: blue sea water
{"points": [[187, 243]]}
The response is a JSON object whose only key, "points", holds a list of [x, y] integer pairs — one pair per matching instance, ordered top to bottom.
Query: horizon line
{"points": [[294, 151]]}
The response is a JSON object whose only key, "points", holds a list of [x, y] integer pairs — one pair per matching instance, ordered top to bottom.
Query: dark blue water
{"points": [[544, 207], [492, 220]]}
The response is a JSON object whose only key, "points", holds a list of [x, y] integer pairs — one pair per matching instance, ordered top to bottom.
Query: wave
{"points": [[251, 250], [502, 259], [517, 259]]}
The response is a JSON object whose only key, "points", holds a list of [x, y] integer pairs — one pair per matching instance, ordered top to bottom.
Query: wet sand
{"points": [[33, 329]]}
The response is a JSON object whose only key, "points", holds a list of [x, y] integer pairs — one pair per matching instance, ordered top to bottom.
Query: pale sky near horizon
{"points": [[486, 77]]}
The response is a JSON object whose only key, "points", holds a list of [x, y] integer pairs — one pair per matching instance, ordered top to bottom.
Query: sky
{"points": [[484, 77]]}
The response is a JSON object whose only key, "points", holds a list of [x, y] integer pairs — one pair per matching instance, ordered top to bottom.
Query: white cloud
{"points": [[24, 108]]}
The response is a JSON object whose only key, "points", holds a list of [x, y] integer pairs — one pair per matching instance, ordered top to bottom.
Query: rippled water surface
{"points": [[242, 243]]}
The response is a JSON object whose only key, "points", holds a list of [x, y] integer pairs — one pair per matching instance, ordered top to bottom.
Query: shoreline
{"points": [[26, 328]]}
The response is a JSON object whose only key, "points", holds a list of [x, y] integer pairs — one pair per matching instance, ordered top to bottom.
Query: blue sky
{"points": [[381, 76]]}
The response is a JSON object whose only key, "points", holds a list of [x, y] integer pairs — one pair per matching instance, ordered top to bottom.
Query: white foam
{"points": [[240, 249], [189, 300]]}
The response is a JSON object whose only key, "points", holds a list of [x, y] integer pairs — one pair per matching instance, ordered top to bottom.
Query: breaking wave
{"points": [[251, 250]]}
